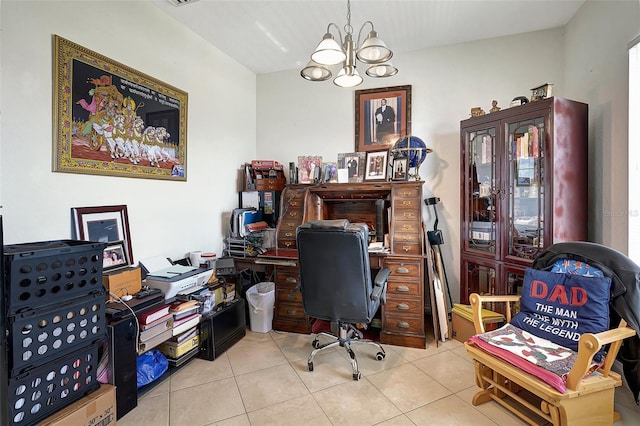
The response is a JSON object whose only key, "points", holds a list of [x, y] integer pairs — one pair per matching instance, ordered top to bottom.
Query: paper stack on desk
{"points": [[377, 247]]}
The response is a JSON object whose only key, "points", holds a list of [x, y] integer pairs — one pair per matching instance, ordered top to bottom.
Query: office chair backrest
{"points": [[335, 279]]}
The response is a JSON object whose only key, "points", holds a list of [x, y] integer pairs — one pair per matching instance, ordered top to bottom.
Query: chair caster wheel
{"points": [[315, 344], [380, 356], [310, 365], [357, 376]]}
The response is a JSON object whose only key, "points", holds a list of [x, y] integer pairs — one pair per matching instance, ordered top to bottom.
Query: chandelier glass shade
{"points": [[372, 51]]}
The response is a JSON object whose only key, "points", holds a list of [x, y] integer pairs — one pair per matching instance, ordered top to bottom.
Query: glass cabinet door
{"points": [[481, 191], [525, 208]]}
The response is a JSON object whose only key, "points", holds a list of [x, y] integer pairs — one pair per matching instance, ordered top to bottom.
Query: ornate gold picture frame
{"points": [[109, 119]]}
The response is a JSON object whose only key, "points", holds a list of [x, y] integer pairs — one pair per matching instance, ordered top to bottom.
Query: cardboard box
{"points": [[123, 281], [462, 321], [97, 408]]}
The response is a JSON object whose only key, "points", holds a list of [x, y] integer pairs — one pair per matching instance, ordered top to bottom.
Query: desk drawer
{"points": [[270, 184], [408, 191], [407, 203], [407, 214], [409, 227], [406, 248], [401, 270], [287, 278], [404, 288], [289, 296], [403, 307], [289, 311], [402, 324]]}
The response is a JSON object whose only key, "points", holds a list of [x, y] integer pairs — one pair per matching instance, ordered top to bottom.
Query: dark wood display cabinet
{"points": [[524, 187]]}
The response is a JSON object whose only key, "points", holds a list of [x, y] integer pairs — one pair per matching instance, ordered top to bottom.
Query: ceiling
{"points": [[276, 35]]}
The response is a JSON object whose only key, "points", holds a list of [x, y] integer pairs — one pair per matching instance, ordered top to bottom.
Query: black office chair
{"points": [[335, 281]]}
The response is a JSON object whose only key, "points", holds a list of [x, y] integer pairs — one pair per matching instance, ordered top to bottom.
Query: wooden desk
{"points": [[390, 208]]}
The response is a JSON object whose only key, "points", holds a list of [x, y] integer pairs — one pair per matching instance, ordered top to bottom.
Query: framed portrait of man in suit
{"points": [[383, 116]]}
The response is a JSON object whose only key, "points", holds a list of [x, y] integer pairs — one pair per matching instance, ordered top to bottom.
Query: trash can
{"points": [[261, 299]]}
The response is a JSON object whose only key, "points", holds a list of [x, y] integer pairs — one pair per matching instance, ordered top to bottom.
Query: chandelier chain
{"points": [[347, 27]]}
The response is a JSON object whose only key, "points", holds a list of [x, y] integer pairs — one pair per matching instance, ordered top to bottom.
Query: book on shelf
{"points": [[186, 313], [153, 315], [168, 316], [179, 322], [159, 328], [181, 328], [184, 336], [154, 341]]}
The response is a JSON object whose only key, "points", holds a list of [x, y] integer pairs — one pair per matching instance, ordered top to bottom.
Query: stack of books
{"points": [[185, 315], [156, 326], [182, 345]]}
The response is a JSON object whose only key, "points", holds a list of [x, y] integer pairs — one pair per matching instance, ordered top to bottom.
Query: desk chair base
{"points": [[347, 334]]}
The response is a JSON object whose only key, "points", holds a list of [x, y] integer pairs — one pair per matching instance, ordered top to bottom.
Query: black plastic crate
{"points": [[41, 273], [39, 335], [40, 392]]}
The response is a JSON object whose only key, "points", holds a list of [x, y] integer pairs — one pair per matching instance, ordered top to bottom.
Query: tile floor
{"points": [[263, 380]]}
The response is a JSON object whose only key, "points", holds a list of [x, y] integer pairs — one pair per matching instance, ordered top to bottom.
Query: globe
{"points": [[411, 147]]}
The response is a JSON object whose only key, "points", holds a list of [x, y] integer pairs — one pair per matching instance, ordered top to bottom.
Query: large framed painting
{"points": [[382, 117], [110, 119]]}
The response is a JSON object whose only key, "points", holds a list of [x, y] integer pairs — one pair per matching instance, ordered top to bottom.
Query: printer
{"points": [[174, 279]]}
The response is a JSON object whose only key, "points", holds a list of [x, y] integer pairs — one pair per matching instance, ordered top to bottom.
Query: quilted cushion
{"points": [[560, 306]]}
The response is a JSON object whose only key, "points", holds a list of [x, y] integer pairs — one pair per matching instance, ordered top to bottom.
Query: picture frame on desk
{"points": [[382, 116], [354, 162], [377, 163], [400, 171], [107, 224], [114, 256]]}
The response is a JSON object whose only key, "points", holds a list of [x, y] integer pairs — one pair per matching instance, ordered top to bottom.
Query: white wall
{"points": [[597, 69], [297, 117], [167, 218]]}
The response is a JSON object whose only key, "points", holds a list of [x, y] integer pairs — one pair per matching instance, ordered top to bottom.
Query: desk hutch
{"points": [[389, 208]]}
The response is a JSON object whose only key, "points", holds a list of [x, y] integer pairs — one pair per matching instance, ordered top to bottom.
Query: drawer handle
{"points": [[406, 193], [407, 203], [293, 204], [293, 214], [407, 215], [291, 225], [406, 227], [288, 234], [407, 237], [288, 244], [406, 248], [402, 270], [291, 280], [402, 288], [291, 296], [402, 307], [292, 312], [403, 324]]}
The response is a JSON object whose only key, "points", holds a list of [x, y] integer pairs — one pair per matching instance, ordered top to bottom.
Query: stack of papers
{"points": [[376, 247]]}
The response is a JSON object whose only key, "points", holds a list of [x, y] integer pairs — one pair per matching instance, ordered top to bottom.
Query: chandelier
{"points": [[373, 51]]}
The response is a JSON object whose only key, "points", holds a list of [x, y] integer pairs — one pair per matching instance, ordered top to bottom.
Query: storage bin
{"points": [[41, 273], [39, 335], [46, 389]]}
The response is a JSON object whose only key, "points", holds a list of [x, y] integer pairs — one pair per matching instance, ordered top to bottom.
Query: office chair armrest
{"points": [[380, 285]]}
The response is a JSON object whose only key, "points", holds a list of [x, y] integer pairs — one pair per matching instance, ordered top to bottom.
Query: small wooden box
{"points": [[462, 321]]}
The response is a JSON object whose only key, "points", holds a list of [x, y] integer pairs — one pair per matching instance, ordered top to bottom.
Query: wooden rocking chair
{"points": [[588, 399]]}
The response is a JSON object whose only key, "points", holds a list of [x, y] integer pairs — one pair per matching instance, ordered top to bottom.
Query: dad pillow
{"points": [[560, 307]]}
